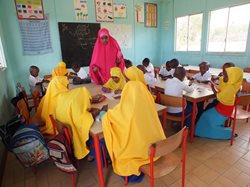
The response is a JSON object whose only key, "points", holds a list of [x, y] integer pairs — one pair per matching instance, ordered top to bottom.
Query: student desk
{"points": [[201, 92], [96, 129]]}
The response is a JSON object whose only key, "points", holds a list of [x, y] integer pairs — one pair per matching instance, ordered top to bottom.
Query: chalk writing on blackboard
{"points": [[77, 42]]}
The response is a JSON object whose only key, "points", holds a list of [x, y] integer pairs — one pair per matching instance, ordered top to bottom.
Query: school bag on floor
{"points": [[29, 146], [60, 150]]}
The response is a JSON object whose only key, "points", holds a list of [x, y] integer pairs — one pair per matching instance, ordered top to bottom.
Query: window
{"points": [[228, 29], [188, 33], [2, 58]]}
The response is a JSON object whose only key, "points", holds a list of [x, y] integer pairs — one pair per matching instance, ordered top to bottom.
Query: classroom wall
{"points": [[175, 8], [146, 41]]}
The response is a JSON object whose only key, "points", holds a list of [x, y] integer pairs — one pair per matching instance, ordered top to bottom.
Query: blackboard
{"points": [[77, 42]]}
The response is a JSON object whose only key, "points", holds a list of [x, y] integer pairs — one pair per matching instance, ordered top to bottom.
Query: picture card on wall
{"points": [[29, 9], [81, 9], [104, 10], [120, 10], [139, 13], [150, 15]]}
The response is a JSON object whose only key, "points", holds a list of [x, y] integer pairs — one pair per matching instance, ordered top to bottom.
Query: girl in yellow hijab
{"points": [[60, 70], [135, 74], [116, 82], [48, 104], [73, 109], [211, 123], [129, 129]]}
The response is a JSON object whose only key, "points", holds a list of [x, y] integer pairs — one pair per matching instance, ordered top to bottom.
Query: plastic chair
{"points": [[28, 98], [36, 98], [173, 101], [22, 108], [239, 113], [60, 127], [168, 160]]}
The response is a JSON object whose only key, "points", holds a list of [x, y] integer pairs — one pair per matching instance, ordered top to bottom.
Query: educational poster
{"points": [[29, 9], [81, 10], [104, 10], [120, 10], [139, 13], [150, 15], [121, 32], [35, 37]]}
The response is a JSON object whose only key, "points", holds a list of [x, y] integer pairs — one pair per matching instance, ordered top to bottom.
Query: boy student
{"points": [[128, 63], [149, 67], [168, 71], [80, 74], [204, 76], [151, 81], [35, 82], [175, 87]]}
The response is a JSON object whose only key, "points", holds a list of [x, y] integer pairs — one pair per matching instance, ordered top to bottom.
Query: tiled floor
{"points": [[209, 163]]}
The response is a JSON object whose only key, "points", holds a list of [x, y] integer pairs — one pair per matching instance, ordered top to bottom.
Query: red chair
{"points": [[173, 101], [240, 113], [60, 127], [168, 160]]}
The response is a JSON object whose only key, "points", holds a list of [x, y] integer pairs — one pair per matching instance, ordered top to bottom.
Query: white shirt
{"points": [[150, 69], [164, 72], [82, 73], [205, 77], [151, 81], [32, 83], [175, 87]]}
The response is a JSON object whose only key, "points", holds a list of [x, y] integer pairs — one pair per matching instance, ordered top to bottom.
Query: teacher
{"points": [[106, 55]]}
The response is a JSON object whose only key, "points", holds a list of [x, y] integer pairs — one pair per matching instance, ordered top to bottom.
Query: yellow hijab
{"points": [[60, 70], [115, 72], [134, 74], [228, 90], [48, 103], [72, 109], [129, 129]]}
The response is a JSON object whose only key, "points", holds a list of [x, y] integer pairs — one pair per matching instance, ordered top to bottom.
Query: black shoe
{"points": [[235, 135]]}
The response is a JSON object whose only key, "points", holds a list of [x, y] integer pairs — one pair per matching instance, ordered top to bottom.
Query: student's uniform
{"points": [[150, 69], [164, 72], [205, 77], [151, 81], [32, 83], [111, 84], [175, 87], [211, 122]]}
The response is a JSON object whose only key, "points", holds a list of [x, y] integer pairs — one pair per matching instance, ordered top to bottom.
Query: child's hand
{"points": [[95, 68], [118, 91]]}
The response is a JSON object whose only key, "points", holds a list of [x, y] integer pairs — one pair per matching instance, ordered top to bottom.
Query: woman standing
{"points": [[106, 55]]}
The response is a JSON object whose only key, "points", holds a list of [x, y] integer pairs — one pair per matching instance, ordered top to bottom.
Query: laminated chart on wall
{"points": [[29, 9], [81, 9], [104, 10], [120, 10], [139, 13], [150, 15], [121, 32], [35, 37]]}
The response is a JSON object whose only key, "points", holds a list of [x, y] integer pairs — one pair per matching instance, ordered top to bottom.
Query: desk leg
{"points": [[164, 119], [193, 121], [98, 160]]}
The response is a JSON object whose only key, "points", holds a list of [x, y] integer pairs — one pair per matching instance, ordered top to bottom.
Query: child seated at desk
{"points": [[128, 63], [149, 67], [168, 70], [79, 75], [204, 76], [151, 81], [35, 82], [116, 82], [175, 87]]}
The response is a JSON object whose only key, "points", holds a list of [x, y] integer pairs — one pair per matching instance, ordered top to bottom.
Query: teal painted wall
{"points": [[175, 8], [146, 41]]}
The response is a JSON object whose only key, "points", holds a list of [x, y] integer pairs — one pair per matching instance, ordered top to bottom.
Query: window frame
{"points": [[175, 34], [226, 53], [3, 65]]}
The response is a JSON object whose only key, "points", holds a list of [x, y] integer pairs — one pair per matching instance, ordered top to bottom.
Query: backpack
{"points": [[7, 130], [29, 146], [62, 154]]}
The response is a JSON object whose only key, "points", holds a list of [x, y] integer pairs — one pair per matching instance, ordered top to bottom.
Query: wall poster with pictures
{"points": [[29, 9], [104, 10], [150, 14]]}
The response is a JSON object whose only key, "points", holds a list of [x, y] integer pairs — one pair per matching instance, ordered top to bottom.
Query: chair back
{"points": [[246, 70], [192, 71], [47, 77], [245, 86], [36, 97], [243, 100], [172, 101], [22, 108], [170, 144]]}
